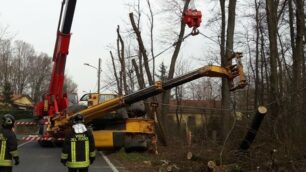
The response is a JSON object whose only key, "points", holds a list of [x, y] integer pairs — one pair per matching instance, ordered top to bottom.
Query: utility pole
{"points": [[99, 75]]}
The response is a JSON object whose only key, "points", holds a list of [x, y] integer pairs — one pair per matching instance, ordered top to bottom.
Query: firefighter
{"points": [[8, 141], [79, 147]]}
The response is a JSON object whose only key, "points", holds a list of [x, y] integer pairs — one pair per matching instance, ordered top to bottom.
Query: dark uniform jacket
{"points": [[8, 147], [78, 149]]}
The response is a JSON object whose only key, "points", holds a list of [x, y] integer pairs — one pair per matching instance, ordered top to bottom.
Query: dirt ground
{"points": [[170, 158], [174, 158]]}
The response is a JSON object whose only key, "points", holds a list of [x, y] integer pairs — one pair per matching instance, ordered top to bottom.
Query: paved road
{"points": [[34, 158]]}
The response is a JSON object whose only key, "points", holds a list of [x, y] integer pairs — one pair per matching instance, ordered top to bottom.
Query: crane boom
{"points": [[157, 88], [55, 100], [101, 109]]}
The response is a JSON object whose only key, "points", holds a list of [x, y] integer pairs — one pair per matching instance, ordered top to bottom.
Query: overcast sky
{"points": [[93, 29]]}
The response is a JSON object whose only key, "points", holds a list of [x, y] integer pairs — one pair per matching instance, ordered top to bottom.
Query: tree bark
{"points": [[271, 10], [151, 19], [142, 49], [300, 57], [122, 60], [115, 74], [138, 75], [256, 101], [226, 113]]}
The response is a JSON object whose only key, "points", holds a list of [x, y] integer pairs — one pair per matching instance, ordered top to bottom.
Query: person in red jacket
{"points": [[8, 144], [79, 147]]}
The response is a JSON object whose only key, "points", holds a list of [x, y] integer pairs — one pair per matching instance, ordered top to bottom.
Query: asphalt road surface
{"points": [[34, 158]]}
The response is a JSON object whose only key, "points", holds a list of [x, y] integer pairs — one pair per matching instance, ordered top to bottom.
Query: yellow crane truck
{"points": [[56, 107], [113, 129]]}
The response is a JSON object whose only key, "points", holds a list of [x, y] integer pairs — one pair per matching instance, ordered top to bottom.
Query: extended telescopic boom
{"points": [[231, 72], [55, 101]]}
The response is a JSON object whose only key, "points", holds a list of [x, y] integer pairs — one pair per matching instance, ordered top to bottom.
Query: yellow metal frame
{"points": [[104, 138]]}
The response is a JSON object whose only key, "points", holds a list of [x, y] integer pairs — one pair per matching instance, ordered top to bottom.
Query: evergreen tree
{"points": [[163, 72], [7, 94]]}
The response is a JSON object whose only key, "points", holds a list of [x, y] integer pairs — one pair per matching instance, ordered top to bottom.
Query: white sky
{"points": [[93, 29]]}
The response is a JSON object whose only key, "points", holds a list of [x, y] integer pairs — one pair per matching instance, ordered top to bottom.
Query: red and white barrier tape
{"points": [[25, 123], [30, 123], [38, 138]]}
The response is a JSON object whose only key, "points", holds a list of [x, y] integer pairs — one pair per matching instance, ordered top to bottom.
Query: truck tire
{"points": [[136, 143]]}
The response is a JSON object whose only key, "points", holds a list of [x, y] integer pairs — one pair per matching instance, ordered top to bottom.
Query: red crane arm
{"points": [[55, 101]]}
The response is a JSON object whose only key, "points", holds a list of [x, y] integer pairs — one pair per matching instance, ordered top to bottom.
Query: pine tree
{"points": [[163, 72], [7, 94]]}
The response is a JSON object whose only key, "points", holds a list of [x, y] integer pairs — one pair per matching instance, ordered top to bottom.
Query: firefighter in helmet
{"points": [[8, 141], [79, 146]]}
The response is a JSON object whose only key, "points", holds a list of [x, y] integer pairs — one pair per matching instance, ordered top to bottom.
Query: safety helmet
{"points": [[78, 118], [8, 121]]}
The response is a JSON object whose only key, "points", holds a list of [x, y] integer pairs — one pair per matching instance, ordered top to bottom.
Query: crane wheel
{"points": [[136, 143]]}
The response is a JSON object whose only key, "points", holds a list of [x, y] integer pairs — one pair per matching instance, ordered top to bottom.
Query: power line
{"points": [[174, 44], [232, 51]]}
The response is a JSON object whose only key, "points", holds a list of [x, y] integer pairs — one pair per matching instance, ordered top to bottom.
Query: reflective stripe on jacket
{"points": [[8, 147], [77, 149]]}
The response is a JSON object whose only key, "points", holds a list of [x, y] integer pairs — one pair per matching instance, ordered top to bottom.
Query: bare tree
{"points": [[151, 20], [272, 29], [226, 46], [142, 49], [143, 53], [121, 57], [299, 58], [6, 59], [21, 67], [39, 81], [119, 85], [166, 95]]}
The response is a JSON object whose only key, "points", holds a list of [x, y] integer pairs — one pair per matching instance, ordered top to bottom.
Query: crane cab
{"points": [[92, 99]]}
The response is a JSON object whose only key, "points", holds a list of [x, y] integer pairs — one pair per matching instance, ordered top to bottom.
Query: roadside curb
{"points": [[22, 144], [110, 164]]}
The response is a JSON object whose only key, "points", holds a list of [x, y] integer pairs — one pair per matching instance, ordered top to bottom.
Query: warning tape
{"points": [[25, 123], [30, 123], [39, 138]]}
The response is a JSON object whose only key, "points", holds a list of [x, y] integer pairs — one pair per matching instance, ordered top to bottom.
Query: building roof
{"points": [[20, 100], [194, 106]]}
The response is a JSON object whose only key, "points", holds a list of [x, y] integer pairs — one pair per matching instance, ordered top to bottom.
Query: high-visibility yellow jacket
{"points": [[8, 147], [78, 148]]}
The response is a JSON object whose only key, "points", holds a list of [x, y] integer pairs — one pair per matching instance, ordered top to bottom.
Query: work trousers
{"points": [[6, 169], [77, 169]]}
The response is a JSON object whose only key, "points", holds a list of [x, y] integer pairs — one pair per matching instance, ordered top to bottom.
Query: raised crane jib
{"points": [[55, 100]]}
